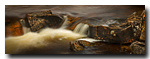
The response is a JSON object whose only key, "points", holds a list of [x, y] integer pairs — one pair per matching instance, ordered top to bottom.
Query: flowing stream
{"points": [[56, 41]]}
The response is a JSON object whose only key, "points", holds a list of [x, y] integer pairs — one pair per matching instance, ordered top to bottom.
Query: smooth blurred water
{"points": [[87, 11]]}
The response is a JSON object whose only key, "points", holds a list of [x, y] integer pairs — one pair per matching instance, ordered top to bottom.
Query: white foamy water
{"points": [[23, 24], [64, 25], [78, 27], [81, 28], [84, 29], [55, 39], [90, 40], [14, 45]]}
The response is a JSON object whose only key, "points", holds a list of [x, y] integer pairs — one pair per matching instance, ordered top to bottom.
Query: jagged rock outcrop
{"points": [[39, 20]]}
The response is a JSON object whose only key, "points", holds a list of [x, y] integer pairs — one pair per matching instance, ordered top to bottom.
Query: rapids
{"points": [[47, 36], [50, 41]]}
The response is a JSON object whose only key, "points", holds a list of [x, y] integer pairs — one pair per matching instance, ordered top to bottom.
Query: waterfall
{"points": [[23, 24], [64, 25], [78, 27], [81, 28], [84, 29], [53, 39]]}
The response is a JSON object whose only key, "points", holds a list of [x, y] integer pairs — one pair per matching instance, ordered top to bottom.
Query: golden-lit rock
{"points": [[72, 22], [13, 29], [80, 45], [75, 46], [125, 48]]}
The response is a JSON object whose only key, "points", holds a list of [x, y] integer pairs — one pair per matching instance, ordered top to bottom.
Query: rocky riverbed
{"points": [[119, 17]]}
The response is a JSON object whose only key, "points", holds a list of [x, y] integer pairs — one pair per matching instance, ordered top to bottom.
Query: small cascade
{"points": [[23, 24], [64, 25], [78, 27], [81, 28], [84, 29]]}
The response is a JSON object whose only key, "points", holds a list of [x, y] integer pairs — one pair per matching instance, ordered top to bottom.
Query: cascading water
{"points": [[23, 24], [64, 25], [78, 27], [81, 28], [84, 29], [55, 39], [14, 45]]}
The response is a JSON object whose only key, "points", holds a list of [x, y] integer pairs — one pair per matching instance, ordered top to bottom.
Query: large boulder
{"points": [[39, 20], [127, 31], [124, 33]]}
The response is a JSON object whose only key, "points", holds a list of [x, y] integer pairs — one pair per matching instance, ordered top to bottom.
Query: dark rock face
{"points": [[39, 20], [121, 34], [138, 47]]}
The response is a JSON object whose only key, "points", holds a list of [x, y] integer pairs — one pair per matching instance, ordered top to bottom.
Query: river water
{"points": [[104, 11], [14, 13]]}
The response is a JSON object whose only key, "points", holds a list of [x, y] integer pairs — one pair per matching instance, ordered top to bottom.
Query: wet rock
{"points": [[136, 16], [39, 20], [7, 21], [72, 22], [13, 29], [126, 32], [112, 34], [142, 37], [84, 43], [79, 45], [75, 46], [138, 47], [125, 48]]}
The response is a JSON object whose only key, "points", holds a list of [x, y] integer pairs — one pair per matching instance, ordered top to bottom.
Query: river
{"points": [[13, 13]]}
